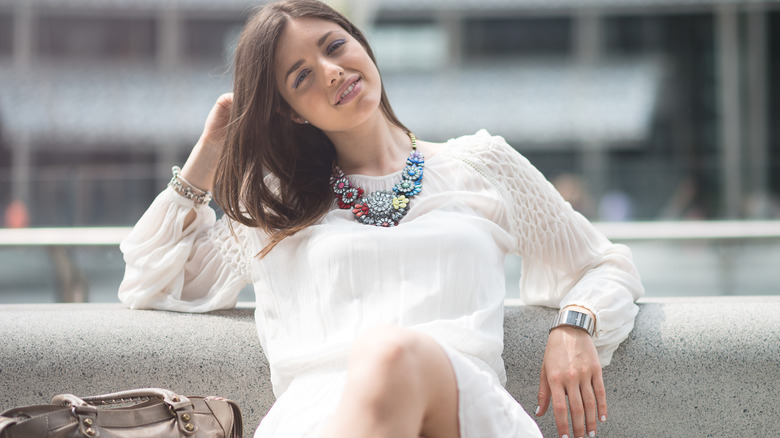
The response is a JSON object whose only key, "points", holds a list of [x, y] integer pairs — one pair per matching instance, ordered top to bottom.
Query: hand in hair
{"points": [[215, 129], [200, 168]]}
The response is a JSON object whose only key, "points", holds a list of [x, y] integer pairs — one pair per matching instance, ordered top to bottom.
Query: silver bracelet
{"points": [[189, 191], [574, 318]]}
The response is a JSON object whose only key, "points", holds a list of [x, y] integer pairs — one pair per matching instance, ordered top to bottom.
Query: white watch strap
{"points": [[574, 318]]}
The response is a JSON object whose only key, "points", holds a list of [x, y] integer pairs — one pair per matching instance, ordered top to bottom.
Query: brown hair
{"points": [[262, 137]]}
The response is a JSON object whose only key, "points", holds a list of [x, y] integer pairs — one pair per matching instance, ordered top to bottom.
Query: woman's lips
{"points": [[350, 92]]}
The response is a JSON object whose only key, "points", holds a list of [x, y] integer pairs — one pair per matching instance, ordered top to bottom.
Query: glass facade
{"points": [[6, 35], [496, 37], [90, 38], [210, 40], [694, 88], [773, 91], [92, 188]]}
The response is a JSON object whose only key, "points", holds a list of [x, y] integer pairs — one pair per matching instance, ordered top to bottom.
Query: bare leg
{"points": [[400, 384]]}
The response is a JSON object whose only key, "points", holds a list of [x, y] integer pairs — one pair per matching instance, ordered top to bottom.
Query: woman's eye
{"points": [[335, 45], [332, 47], [301, 76]]}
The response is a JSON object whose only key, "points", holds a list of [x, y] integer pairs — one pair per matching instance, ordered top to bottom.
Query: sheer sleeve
{"points": [[565, 260], [197, 269]]}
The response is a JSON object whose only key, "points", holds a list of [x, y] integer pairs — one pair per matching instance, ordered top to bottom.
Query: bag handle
{"points": [[172, 399], [181, 407], [6, 422]]}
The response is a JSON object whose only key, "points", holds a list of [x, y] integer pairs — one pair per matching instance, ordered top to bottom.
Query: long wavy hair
{"points": [[262, 137]]}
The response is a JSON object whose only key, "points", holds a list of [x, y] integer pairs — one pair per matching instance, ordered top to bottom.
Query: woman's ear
{"points": [[285, 111], [298, 119]]}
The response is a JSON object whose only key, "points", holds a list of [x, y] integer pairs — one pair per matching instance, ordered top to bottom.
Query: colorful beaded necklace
{"points": [[383, 208]]}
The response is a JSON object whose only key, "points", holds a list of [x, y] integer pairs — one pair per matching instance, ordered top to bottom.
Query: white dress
{"points": [[441, 272]]}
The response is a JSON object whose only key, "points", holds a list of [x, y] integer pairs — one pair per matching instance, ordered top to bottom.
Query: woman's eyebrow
{"points": [[322, 39], [295, 66], [292, 69]]}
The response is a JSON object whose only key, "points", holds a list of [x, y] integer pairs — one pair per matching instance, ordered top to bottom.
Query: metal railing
{"points": [[689, 230], [618, 231], [76, 236], [73, 287]]}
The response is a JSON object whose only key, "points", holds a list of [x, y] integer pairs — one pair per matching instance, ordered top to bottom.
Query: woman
{"points": [[377, 259]]}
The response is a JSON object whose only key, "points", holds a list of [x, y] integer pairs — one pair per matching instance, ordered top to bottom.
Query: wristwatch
{"points": [[574, 318]]}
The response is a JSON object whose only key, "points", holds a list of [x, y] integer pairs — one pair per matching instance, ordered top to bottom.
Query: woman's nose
{"points": [[333, 72]]}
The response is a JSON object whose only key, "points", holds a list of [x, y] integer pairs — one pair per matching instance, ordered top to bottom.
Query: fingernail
{"points": [[538, 408], [603, 418], [591, 434], [565, 436]]}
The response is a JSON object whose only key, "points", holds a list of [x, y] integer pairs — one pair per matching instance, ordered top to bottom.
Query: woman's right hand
{"points": [[215, 129], [201, 166]]}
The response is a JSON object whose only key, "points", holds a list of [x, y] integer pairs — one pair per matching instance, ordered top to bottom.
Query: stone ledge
{"points": [[704, 367]]}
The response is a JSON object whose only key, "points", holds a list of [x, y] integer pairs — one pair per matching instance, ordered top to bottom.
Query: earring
{"points": [[306, 122]]}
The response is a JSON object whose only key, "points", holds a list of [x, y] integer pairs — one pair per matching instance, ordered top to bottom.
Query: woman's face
{"points": [[326, 76]]}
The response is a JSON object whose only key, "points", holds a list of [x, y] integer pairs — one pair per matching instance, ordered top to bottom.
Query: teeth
{"points": [[348, 90]]}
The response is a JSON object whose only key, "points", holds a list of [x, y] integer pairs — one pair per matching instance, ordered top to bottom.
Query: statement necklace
{"points": [[383, 208]]}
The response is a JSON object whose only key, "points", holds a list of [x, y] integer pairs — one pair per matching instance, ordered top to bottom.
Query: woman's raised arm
{"points": [[201, 165], [178, 256]]}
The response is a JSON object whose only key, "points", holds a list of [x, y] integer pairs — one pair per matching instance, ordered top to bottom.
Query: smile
{"points": [[348, 94]]}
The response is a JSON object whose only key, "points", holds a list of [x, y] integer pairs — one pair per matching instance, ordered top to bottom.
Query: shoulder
{"points": [[481, 137], [475, 144], [480, 145], [486, 152], [504, 167]]}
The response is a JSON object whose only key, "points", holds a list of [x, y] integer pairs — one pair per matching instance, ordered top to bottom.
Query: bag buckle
{"points": [[185, 415], [87, 417]]}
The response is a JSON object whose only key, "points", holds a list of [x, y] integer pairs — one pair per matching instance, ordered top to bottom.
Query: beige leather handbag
{"points": [[148, 412]]}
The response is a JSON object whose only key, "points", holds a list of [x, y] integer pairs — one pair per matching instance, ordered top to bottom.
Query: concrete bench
{"points": [[691, 368]]}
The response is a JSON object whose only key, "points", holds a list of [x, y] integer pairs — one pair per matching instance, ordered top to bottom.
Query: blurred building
{"points": [[664, 106]]}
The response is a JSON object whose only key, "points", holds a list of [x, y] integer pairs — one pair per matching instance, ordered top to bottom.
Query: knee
{"points": [[386, 354], [392, 366]]}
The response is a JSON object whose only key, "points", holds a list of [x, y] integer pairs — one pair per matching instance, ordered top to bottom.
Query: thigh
{"points": [[425, 366], [442, 421]]}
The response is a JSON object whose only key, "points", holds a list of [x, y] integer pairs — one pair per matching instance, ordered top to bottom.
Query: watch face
{"points": [[573, 318]]}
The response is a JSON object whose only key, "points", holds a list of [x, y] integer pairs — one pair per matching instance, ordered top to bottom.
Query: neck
{"points": [[375, 148]]}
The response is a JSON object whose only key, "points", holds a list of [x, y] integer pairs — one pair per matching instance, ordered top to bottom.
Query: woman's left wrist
{"points": [[579, 308], [576, 317]]}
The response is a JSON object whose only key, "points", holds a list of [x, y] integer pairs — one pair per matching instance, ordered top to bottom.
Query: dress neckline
{"points": [[396, 174]]}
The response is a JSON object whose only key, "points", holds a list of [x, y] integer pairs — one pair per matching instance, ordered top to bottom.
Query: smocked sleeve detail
{"points": [[533, 207], [233, 246], [565, 260], [199, 268]]}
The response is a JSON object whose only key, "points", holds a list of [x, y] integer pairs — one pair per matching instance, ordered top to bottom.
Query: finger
{"points": [[226, 98], [601, 395], [543, 397], [560, 410], [577, 410], [591, 413]]}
